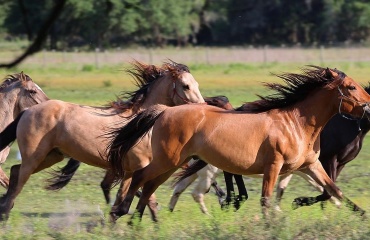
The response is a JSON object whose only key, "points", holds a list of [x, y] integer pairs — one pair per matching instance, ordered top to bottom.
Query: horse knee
{"points": [[197, 197]]}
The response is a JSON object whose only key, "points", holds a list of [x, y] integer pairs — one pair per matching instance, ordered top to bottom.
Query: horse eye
{"points": [[186, 87], [352, 87], [31, 91]]}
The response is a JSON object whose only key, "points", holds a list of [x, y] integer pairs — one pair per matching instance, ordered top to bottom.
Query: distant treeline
{"points": [[121, 23]]}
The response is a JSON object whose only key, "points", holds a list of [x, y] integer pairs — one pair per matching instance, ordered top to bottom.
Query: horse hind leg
{"points": [[317, 172], [19, 176], [4, 180], [106, 185], [180, 188], [7, 201]]}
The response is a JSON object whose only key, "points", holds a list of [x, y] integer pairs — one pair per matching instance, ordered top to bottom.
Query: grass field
{"points": [[76, 211]]}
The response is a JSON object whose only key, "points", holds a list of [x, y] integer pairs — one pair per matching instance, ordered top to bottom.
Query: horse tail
{"points": [[9, 134], [128, 136], [190, 170], [61, 177]]}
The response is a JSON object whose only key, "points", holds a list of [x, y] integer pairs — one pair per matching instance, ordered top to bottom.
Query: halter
{"points": [[174, 92], [350, 99]]}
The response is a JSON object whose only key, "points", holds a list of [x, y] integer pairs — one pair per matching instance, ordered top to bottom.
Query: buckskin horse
{"points": [[17, 93], [51, 130], [281, 133]]}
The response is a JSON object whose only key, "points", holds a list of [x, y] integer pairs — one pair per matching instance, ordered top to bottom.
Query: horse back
{"points": [[214, 135]]}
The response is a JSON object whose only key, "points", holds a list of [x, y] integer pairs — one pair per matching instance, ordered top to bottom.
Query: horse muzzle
{"points": [[366, 108]]}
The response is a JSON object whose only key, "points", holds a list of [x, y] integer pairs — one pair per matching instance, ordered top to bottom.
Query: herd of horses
{"points": [[312, 125]]}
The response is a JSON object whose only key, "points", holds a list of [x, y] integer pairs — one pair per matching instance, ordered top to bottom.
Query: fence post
{"points": [[265, 54], [322, 54], [207, 55], [64, 56], [150, 56], [44, 57], [97, 58]]}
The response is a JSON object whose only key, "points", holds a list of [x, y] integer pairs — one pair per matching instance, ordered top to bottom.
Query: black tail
{"points": [[10, 133], [127, 137], [187, 172], [61, 177]]}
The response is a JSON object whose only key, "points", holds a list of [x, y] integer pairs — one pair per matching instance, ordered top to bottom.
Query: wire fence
{"points": [[204, 55]]}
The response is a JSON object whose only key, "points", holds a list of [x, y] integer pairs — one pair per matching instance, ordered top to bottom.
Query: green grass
{"points": [[73, 213]]}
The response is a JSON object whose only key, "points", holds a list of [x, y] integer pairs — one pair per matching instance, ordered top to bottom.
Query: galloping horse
{"points": [[17, 93], [51, 130], [281, 132], [340, 142]]}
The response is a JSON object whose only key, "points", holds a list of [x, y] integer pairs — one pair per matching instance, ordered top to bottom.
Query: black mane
{"points": [[296, 88]]}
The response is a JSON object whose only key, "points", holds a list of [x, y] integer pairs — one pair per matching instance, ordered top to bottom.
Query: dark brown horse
{"points": [[17, 93], [49, 131], [281, 133]]}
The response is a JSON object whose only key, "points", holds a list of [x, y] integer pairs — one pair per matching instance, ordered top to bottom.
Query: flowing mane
{"points": [[144, 76], [10, 79], [296, 88]]}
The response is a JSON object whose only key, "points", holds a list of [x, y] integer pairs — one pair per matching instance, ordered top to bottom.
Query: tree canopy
{"points": [[121, 23]]}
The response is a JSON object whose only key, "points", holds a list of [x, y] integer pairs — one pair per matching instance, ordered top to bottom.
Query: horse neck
{"points": [[159, 93], [8, 107], [314, 112]]}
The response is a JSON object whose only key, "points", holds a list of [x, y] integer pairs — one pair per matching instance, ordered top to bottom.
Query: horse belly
{"points": [[234, 149]]}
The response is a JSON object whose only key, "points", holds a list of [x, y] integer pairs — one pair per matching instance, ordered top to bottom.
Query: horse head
{"points": [[185, 89], [30, 93], [353, 99]]}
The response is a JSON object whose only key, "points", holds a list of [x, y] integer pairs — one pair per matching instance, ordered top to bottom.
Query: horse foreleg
{"points": [[270, 176], [106, 185], [282, 185], [203, 186], [180, 188], [148, 190], [219, 192], [230, 193], [243, 194]]}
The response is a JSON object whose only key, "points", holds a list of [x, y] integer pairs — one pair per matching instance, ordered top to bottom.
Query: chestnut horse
{"points": [[17, 93], [51, 130], [281, 132], [340, 142]]}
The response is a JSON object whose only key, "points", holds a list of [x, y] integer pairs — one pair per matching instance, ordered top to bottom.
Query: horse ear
{"points": [[328, 73], [22, 77]]}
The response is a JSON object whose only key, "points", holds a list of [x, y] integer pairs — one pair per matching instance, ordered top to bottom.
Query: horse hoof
{"points": [[296, 203], [278, 209], [113, 217]]}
